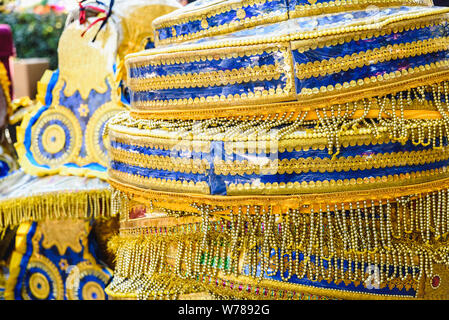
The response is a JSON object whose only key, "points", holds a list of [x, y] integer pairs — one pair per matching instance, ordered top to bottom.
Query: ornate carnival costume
{"points": [[285, 150], [7, 160], [63, 221]]}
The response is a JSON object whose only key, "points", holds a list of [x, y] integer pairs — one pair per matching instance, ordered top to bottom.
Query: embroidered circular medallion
{"points": [[56, 137], [96, 144], [42, 280], [88, 282]]}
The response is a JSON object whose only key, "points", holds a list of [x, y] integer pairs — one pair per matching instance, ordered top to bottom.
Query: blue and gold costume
{"points": [[285, 150], [59, 203]]}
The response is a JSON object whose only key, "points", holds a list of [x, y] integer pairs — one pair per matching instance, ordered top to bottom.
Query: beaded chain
{"points": [[237, 247]]}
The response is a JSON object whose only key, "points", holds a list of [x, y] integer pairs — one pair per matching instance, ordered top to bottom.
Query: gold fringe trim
{"points": [[4, 84], [182, 202], [91, 204], [157, 268]]}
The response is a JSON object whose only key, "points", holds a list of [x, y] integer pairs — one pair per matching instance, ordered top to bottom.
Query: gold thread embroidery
{"points": [[277, 16], [206, 79], [69, 119], [336, 185], [64, 205]]}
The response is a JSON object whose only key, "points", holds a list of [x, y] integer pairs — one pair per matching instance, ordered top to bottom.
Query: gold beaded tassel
{"points": [[391, 115], [76, 205], [143, 269]]}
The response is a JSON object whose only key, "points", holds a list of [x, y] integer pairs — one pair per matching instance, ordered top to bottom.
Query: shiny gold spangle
{"points": [[208, 79], [156, 162], [305, 165], [161, 183], [357, 237]]}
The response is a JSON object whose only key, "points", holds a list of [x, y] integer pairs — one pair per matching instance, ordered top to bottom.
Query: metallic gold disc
{"points": [[42, 280]]}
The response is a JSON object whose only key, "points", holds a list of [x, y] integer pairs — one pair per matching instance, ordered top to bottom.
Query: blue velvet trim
{"points": [[149, 45], [49, 94], [124, 97], [48, 101], [27, 138], [217, 150], [4, 169], [218, 183], [24, 262]]}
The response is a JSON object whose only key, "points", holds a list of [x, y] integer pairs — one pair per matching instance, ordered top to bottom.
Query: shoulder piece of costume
{"points": [[65, 135], [286, 150], [56, 254]]}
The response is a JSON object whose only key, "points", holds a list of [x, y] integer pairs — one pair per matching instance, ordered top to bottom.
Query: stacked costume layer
{"points": [[301, 159]]}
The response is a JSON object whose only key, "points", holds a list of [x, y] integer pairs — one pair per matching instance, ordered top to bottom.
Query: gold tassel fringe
{"points": [[91, 204]]}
